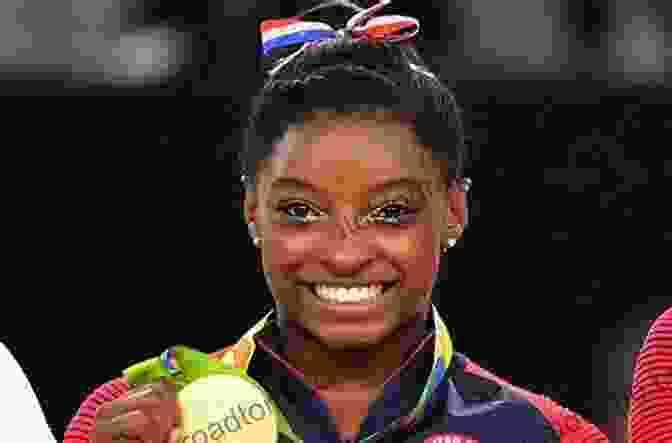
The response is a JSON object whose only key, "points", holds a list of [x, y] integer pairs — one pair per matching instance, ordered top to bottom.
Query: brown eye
{"points": [[393, 210], [298, 213], [395, 213]]}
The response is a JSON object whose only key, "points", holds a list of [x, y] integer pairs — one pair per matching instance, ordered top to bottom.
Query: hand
{"points": [[147, 414]]}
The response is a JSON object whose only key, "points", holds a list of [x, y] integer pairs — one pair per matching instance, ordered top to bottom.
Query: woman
{"points": [[353, 173], [650, 418], [23, 419]]}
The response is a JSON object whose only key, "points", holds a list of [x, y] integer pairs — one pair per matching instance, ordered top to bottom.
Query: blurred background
{"points": [[135, 45], [567, 107]]}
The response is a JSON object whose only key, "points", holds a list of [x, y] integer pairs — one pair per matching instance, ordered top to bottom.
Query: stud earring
{"points": [[252, 229], [454, 231], [451, 243]]}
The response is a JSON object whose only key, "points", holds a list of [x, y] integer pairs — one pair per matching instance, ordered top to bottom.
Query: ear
{"points": [[250, 206], [456, 208]]}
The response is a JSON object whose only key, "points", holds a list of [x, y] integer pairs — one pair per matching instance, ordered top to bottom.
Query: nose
{"points": [[349, 250]]}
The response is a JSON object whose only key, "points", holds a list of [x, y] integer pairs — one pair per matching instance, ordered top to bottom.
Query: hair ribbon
{"points": [[278, 33]]}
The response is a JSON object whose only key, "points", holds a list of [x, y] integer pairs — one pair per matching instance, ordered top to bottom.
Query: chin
{"points": [[339, 342], [348, 344]]}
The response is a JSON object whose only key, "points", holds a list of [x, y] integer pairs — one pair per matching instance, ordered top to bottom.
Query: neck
{"points": [[342, 369]]}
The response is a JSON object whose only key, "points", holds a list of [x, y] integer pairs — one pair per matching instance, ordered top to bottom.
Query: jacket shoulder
{"points": [[651, 398], [570, 427]]}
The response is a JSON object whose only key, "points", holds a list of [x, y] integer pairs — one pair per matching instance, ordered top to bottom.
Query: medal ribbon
{"points": [[182, 366]]}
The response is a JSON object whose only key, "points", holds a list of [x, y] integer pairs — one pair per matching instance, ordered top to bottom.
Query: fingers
{"points": [[144, 398], [114, 409], [147, 414], [133, 426], [136, 426], [175, 435]]}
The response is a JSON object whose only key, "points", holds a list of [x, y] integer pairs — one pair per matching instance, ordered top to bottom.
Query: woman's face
{"points": [[351, 202]]}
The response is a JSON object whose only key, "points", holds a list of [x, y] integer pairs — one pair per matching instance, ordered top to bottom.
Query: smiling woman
{"points": [[353, 173], [367, 214]]}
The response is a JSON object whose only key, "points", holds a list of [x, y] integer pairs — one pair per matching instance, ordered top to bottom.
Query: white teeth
{"points": [[353, 295]]}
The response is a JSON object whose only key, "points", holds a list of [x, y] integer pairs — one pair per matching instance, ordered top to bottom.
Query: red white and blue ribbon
{"points": [[287, 32], [279, 33]]}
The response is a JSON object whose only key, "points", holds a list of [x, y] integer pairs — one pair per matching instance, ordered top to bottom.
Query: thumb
{"points": [[175, 435]]}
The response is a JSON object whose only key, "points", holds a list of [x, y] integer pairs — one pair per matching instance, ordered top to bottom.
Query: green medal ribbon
{"points": [[183, 367], [186, 367]]}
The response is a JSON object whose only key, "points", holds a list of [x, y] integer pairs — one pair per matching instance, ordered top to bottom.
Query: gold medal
{"points": [[218, 403], [226, 407]]}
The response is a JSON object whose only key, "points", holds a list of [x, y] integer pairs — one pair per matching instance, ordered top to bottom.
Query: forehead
{"points": [[348, 153]]}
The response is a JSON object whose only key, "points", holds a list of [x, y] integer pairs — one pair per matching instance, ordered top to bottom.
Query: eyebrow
{"points": [[378, 188]]}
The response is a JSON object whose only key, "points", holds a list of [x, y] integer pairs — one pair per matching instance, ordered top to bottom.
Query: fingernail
{"points": [[144, 392], [133, 420]]}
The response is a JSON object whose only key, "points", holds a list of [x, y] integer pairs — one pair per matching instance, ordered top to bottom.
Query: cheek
{"points": [[284, 252], [416, 254], [281, 257]]}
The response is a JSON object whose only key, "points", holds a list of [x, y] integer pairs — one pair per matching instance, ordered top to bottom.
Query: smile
{"points": [[354, 295]]}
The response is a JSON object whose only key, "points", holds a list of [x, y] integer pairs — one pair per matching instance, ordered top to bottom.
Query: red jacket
{"points": [[650, 419], [567, 427]]}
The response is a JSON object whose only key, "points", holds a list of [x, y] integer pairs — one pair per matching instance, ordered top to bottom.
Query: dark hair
{"points": [[345, 76]]}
